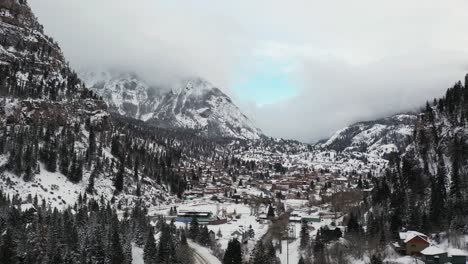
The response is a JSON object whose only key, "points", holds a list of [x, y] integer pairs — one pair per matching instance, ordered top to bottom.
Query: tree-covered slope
{"points": [[426, 185]]}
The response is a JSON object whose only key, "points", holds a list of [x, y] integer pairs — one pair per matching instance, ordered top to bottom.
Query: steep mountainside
{"points": [[31, 63], [193, 103], [378, 137], [57, 139], [68, 169], [426, 186]]}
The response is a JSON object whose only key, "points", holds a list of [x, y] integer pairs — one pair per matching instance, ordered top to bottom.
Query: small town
{"points": [[280, 208]]}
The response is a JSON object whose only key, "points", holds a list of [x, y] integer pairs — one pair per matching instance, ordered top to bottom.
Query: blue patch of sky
{"points": [[265, 81]]}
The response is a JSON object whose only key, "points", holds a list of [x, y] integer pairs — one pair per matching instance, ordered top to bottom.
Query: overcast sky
{"points": [[300, 69]]}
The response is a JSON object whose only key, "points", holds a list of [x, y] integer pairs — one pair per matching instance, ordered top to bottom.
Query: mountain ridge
{"points": [[192, 103], [381, 136]]}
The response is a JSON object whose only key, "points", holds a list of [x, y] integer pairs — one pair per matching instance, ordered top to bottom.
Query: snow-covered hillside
{"points": [[42, 97], [191, 103], [377, 137]]}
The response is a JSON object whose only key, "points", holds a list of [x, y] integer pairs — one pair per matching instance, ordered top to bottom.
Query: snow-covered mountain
{"points": [[40, 92], [125, 93], [191, 103], [377, 137]]}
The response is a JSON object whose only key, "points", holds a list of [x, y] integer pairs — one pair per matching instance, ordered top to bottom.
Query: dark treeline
{"points": [[89, 232]]}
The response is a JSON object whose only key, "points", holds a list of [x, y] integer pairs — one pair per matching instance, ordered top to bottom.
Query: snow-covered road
{"points": [[202, 255]]}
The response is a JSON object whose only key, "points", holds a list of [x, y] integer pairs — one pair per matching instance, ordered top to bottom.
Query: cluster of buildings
{"points": [[293, 185], [301, 186]]}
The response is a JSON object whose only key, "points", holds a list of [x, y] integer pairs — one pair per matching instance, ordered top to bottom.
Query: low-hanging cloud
{"points": [[157, 39], [351, 60], [337, 94]]}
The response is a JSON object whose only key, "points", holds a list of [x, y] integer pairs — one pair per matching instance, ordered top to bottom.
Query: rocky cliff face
{"points": [[31, 63]]}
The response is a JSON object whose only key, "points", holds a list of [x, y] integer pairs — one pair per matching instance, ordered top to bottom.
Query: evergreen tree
{"points": [[91, 144], [458, 150], [64, 159], [51, 161], [29, 164], [135, 169], [76, 170], [92, 177], [119, 178], [138, 191], [439, 194], [271, 212], [415, 220], [353, 224], [194, 230], [204, 237], [305, 237], [183, 238], [318, 245], [165, 246], [319, 250], [96, 251], [8, 253], [271, 253], [115, 254], [233, 254], [258, 254], [150, 255], [184, 255]]}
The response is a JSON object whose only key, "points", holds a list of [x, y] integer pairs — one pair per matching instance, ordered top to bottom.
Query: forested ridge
{"points": [[425, 187]]}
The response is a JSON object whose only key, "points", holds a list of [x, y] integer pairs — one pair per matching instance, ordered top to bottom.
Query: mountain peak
{"points": [[191, 85]]}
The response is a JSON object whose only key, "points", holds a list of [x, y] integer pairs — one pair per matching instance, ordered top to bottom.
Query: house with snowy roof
{"points": [[413, 242], [436, 255], [457, 256]]}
